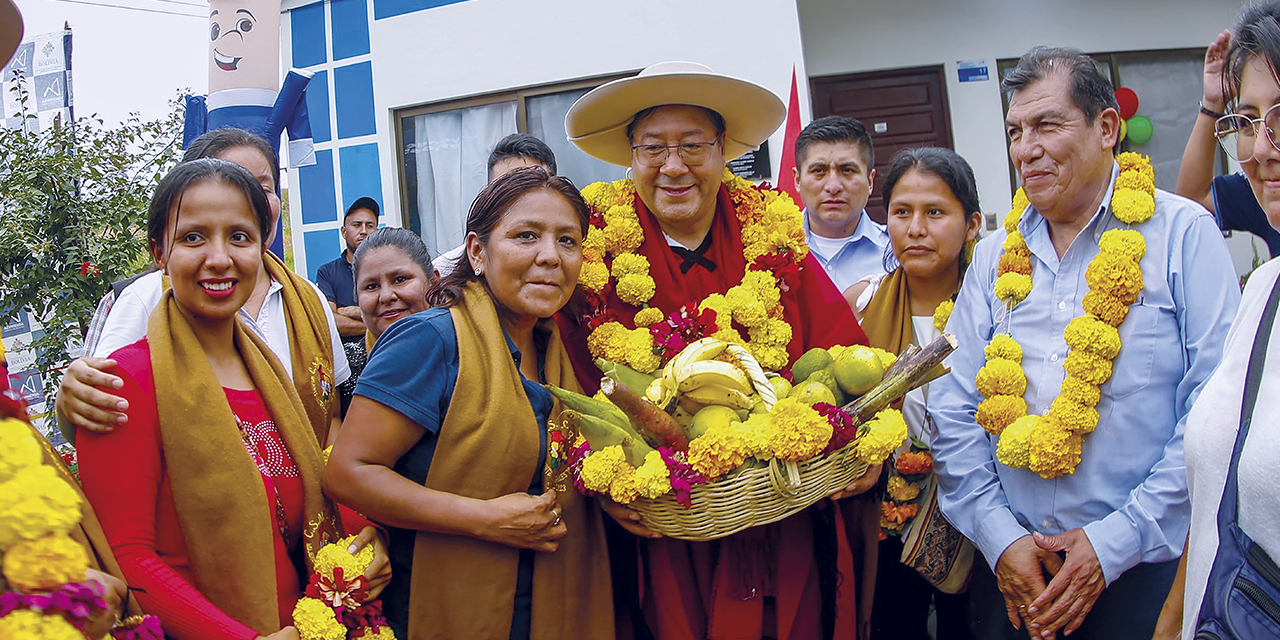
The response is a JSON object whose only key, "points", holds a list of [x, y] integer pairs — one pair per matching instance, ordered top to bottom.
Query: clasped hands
{"points": [[1064, 602]]}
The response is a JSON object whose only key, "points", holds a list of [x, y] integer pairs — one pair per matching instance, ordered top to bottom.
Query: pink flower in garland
{"points": [[681, 328], [843, 430], [575, 457], [683, 476]]}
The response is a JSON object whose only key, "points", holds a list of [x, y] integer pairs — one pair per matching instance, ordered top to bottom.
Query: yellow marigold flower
{"points": [[1134, 161], [1136, 180], [597, 194], [1020, 200], [1132, 206], [619, 213], [1012, 219], [623, 236], [595, 240], [1015, 242], [1123, 242], [592, 255], [1014, 262], [630, 263], [1115, 275], [594, 276], [764, 286], [1013, 288], [635, 289], [716, 302], [1107, 307], [748, 309], [942, 313], [648, 316], [771, 333], [1088, 334], [730, 335], [609, 341], [1004, 346], [640, 355], [771, 358], [886, 358], [1087, 367], [1001, 377], [1080, 392], [996, 413], [1073, 416], [799, 431], [757, 434], [881, 436], [18, 448], [1014, 448], [718, 451], [1054, 451], [599, 468], [653, 479], [623, 489], [901, 490], [35, 502], [335, 555], [45, 563], [314, 620], [29, 624], [378, 633]]}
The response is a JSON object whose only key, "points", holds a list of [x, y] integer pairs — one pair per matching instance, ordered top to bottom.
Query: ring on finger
{"points": [[557, 521]]}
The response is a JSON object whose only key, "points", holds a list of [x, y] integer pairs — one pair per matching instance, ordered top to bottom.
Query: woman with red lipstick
{"points": [[933, 216], [446, 441], [210, 493]]}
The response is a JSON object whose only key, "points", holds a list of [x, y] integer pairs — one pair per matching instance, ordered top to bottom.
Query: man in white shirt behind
{"points": [[834, 160]]}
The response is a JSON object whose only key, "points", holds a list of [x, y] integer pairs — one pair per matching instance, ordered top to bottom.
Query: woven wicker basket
{"points": [[751, 498]]}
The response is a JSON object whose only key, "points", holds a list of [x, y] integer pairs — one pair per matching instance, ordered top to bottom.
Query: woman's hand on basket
{"points": [[860, 486], [627, 518], [524, 521]]}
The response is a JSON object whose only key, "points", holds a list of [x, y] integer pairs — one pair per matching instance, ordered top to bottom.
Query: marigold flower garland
{"points": [[773, 245], [1051, 445], [38, 556], [337, 605]]}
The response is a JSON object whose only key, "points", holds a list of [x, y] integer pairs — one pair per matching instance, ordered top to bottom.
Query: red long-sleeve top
{"points": [[125, 478]]}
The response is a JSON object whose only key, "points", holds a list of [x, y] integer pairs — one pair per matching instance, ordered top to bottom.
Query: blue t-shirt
{"points": [[1236, 209], [338, 283], [413, 369]]}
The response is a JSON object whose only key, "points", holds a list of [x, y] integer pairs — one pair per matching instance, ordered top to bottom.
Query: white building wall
{"points": [[852, 37]]}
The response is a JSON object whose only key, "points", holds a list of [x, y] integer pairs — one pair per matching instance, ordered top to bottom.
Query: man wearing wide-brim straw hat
{"points": [[674, 126]]}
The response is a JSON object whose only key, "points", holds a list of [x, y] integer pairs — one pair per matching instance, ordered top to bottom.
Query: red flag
{"points": [[786, 168]]}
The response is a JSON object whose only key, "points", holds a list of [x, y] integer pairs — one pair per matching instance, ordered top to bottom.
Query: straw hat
{"points": [[10, 30], [598, 121]]}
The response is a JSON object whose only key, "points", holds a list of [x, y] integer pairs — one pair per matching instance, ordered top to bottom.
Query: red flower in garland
{"points": [[782, 266], [843, 430]]}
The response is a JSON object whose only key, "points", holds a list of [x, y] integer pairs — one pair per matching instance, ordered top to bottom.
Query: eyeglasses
{"points": [[1237, 133], [691, 153]]}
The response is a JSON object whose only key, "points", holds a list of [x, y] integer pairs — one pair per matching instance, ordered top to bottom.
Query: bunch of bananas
{"points": [[711, 372]]}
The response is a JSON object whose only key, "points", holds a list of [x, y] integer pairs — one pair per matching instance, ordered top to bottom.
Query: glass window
{"points": [[445, 152], [446, 155]]}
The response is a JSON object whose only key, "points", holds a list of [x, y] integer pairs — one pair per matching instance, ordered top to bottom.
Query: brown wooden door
{"points": [[902, 108]]}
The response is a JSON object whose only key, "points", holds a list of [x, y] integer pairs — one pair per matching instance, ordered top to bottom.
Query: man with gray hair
{"points": [[1089, 323]]}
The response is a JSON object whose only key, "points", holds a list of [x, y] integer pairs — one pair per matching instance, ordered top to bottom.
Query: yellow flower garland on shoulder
{"points": [[771, 224], [1051, 445]]}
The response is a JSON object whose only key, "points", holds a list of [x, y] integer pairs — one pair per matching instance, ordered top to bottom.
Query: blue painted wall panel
{"points": [[388, 8], [350, 28], [307, 33], [353, 88], [318, 107], [361, 175], [319, 203], [322, 247]]}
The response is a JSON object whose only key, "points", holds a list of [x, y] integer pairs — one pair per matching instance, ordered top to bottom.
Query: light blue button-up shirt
{"points": [[861, 255], [1129, 492]]}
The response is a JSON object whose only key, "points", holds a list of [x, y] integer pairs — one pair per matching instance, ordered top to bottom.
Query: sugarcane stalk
{"points": [[916, 366]]}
